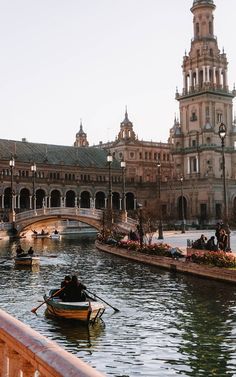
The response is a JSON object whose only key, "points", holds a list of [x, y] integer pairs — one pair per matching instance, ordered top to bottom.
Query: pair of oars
{"points": [[60, 290]]}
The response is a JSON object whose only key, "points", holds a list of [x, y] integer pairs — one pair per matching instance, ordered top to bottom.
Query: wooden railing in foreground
{"points": [[26, 353]]}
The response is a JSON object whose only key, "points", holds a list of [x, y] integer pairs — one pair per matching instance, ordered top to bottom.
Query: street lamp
{"points": [[222, 135], [12, 165], [33, 169], [123, 202], [109, 204], [182, 205], [160, 228]]}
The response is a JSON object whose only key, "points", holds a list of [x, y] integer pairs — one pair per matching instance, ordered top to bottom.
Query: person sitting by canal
{"points": [[219, 226], [223, 240], [200, 243], [210, 245], [19, 251], [31, 251], [176, 253]]}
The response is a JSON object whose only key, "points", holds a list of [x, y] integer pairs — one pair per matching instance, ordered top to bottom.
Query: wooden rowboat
{"points": [[40, 235], [55, 236], [27, 261], [86, 311]]}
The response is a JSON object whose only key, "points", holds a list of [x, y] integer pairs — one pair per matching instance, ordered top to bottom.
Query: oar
{"points": [[44, 302], [115, 309]]}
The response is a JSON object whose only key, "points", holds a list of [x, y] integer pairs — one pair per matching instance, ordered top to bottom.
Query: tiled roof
{"points": [[24, 151]]}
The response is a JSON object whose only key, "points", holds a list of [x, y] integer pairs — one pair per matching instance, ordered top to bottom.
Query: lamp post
{"points": [[222, 135], [33, 169], [123, 202], [109, 204], [182, 205], [12, 213], [160, 228]]}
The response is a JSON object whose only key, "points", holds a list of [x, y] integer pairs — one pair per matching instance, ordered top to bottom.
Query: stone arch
{"points": [[7, 197], [40, 198], [55, 198], [70, 198], [24, 199], [85, 199], [100, 200], [116, 200], [129, 201], [179, 206]]}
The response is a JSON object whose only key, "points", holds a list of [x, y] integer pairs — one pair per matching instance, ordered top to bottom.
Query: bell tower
{"points": [[205, 100], [204, 103], [81, 138]]}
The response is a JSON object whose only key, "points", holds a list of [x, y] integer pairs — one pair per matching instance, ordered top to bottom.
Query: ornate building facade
{"points": [[183, 176]]}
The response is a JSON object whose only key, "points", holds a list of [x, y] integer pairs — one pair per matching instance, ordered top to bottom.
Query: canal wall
{"points": [[182, 265], [24, 352]]}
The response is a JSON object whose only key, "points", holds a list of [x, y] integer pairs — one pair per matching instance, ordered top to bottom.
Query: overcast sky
{"points": [[66, 60]]}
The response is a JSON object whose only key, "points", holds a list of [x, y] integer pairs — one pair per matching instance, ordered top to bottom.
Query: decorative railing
{"points": [[70, 211], [26, 353]]}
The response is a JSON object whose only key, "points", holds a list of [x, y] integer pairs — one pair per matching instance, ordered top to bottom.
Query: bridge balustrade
{"points": [[67, 211], [26, 353]]}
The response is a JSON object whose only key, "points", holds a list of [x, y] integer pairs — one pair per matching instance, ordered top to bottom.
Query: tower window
{"points": [[210, 28], [197, 29], [193, 117], [193, 165]]}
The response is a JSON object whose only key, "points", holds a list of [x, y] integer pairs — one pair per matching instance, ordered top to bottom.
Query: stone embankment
{"points": [[181, 265]]}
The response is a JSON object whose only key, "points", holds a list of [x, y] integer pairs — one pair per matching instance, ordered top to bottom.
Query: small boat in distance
{"points": [[42, 234], [55, 235], [85, 311]]}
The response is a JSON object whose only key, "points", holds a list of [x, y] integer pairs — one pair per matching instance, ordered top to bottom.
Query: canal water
{"points": [[168, 324]]}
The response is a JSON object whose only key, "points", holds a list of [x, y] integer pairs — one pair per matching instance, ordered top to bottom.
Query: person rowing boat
{"points": [[73, 290]]}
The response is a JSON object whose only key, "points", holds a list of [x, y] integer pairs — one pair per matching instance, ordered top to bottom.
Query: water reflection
{"points": [[167, 325], [206, 326], [74, 336]]}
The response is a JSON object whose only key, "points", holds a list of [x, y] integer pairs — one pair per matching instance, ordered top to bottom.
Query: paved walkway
{"points": [[178, 239]]}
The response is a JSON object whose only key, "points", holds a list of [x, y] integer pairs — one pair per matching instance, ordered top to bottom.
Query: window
{"points": [[219, 117], [193, 165]]}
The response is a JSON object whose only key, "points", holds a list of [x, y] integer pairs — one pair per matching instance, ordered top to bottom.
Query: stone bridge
{"points": [[91, 216]]}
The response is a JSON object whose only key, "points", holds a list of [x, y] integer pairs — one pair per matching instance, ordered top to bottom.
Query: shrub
{"points": [[215, 258]]}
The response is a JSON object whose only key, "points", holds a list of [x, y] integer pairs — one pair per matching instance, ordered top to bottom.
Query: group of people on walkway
{"points": [[210, 244], [21, 253], [73, 289]]}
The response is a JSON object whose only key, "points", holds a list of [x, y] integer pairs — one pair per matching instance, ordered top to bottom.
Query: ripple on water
{"points": [[167, 325]]}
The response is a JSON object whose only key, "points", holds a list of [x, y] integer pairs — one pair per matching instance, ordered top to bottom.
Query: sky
{"points": [[69, 61]]}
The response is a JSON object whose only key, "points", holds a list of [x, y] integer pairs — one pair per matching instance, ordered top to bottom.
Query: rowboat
{"points": [[40, 235], [55, 236], [27, 260], [86, 311]]}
